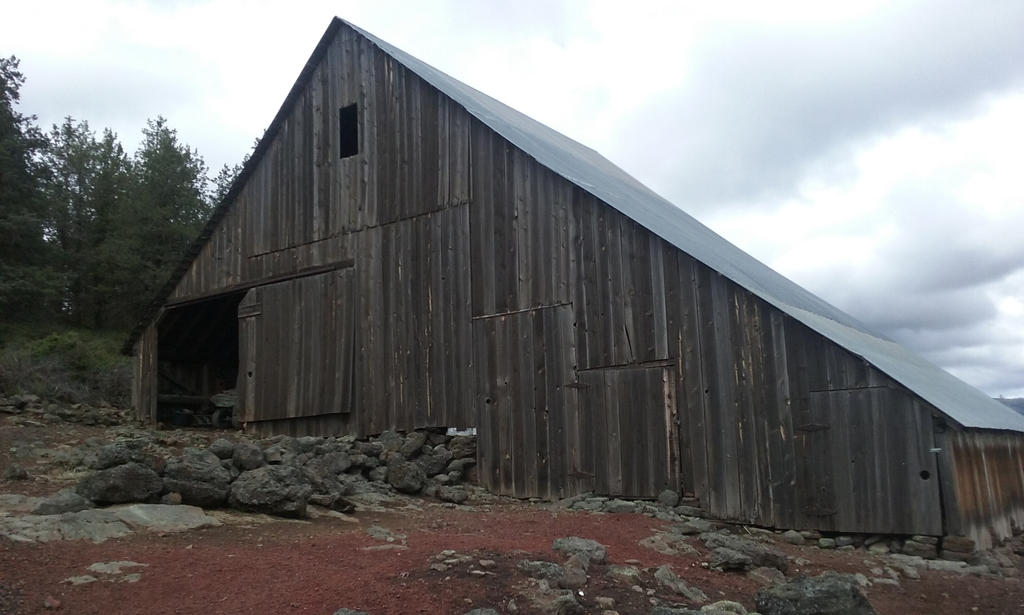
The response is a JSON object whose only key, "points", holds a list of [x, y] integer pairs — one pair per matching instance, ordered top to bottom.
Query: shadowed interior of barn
{"points": [[402, 251]]}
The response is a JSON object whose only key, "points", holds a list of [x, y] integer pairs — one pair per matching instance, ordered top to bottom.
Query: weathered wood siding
{"points": [[487, 291], [297, 348], [144, 375], [529, 424], [987, 471]]}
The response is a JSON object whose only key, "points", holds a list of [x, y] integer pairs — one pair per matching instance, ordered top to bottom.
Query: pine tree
{"points": [[28, 283]]}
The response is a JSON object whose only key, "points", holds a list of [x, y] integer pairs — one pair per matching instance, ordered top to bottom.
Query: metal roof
{"points": [[592, 172], [601, 178]]}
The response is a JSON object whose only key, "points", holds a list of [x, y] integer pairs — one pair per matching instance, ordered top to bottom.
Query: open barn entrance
{"points": [[197, 362]]}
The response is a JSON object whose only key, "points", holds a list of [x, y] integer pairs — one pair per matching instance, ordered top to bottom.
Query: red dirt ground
{"points": [[321, 565]]}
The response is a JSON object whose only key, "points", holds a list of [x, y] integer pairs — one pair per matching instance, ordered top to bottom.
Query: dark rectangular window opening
{"points": [[348, 131]]}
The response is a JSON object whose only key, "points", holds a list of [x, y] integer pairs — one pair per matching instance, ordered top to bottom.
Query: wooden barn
{"points": [[403, 251]]}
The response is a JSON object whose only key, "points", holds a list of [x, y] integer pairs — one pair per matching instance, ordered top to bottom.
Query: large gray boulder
{"points": [[406, 476], [199, 477], [130, 482], [277, 490], [828, 594]]}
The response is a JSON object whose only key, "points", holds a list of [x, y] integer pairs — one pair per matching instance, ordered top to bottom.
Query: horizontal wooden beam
{"points": [[236, 288]]}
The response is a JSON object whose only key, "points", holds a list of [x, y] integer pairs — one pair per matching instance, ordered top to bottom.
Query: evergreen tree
{"points": [[165, 210], [28, 283]]}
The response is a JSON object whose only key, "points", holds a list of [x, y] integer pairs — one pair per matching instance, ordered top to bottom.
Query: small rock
{"points": [[390, 441], [307, 444], [413, 444], [462, 446], [222, 448], [247, 456], [434, 461], [15, 472], [456, 495], [173, 498], [668, 498], [64, 501], [620, 506], [693, 526], [793, 537], [870, 540], [826, 543], [572, 545], [878, 548], [920, 549], [759, 553], [726, 559], [114, 567], [539, 569], [624, 574], [767, 576], [571, 578], [668, 579], [604, 602], [51, 603], [565, 604], [724, 607], [350, 612]]}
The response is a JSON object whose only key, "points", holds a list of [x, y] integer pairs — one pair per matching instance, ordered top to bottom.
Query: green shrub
{"points": [[69, 365]]}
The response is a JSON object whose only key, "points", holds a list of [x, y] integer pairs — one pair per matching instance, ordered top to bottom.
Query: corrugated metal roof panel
{"points": [[598, 176]]}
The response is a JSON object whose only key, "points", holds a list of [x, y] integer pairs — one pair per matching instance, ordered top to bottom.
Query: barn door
{"points": [[296, 348], [627, 416], [528, 432]]}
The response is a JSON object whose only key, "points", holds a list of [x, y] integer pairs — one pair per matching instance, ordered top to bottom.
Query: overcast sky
{"points": [[871, 151]]}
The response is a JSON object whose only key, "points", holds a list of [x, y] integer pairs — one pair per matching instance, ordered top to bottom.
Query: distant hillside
{"points": [[1017, 403]]}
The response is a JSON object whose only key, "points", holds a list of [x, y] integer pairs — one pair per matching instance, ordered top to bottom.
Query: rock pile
{"points": [[32, 407], [281, 475]]}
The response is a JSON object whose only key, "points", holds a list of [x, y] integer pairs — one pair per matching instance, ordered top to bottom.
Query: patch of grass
{"points": [[71, 365]]}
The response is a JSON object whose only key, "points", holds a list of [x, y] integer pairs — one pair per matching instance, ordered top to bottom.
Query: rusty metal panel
{"points": [[988, 479]]}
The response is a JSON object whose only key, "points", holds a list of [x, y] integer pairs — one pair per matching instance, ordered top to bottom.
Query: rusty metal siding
{"points": [[988, 481]]}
